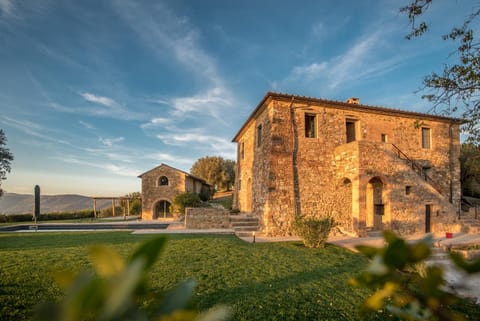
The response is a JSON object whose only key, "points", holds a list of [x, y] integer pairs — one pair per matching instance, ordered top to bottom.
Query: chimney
{"points": [[353, 100]]}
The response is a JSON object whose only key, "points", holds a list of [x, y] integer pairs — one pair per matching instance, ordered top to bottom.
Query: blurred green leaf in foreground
{"points": [[405, 285], [117, 289]]}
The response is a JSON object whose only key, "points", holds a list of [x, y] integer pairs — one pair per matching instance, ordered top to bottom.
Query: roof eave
{"points": [[376, 109], [252, 116]]}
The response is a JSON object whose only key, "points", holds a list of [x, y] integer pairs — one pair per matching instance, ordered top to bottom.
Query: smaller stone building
{"points": [[161, 184]]}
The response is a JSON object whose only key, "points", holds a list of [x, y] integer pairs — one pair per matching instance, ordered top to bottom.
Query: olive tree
{"points": [[456, 90], [6, 158]]}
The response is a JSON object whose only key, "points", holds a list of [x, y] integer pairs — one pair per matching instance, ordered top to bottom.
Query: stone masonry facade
{"points": [[371, 168], [160, 185]]}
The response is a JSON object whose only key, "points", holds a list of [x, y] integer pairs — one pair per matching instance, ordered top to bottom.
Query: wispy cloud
{"points": [[6, 8], [319, 30], [171, 36], [366, 58], [311, 71], [105, 101], [159, 101], [213, 101], [114, 111], [156, 122], [86, 125], [32, 129], [109, 142], [208, 143], [114, 153], [170, 158], [110, 167]]}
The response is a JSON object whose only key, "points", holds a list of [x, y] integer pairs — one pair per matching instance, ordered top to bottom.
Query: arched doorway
{"points": [[375, 203], [162, 209]]}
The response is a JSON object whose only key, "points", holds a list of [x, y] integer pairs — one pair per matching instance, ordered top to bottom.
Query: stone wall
{"points": [[333, 175], [206, 218]]}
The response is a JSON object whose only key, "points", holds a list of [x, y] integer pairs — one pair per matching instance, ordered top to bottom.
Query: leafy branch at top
{"points": [[457, 88]]}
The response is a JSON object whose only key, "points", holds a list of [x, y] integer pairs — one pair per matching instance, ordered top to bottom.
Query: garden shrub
{"points": [[185, 199], [136, 207], [9, 218], [314, 231]]}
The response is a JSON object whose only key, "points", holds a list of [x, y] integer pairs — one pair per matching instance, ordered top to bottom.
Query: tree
{"points": [[457, 88], [5, 159], [470, 169], [216, 171], [229, 173], [185, 199], [135, 203]]}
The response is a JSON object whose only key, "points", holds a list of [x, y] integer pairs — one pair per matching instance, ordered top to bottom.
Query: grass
{"points": [[225, 199], [269, 281]]}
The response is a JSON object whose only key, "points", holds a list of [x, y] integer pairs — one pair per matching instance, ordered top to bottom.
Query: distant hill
{"points": [[12, 203]]}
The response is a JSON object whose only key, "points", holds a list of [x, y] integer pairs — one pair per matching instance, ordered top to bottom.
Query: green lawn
{"points": [[274, 281]]}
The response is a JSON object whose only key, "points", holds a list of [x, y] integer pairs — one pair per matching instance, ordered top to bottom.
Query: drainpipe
{"points": [[452, 172], [296, 186]]}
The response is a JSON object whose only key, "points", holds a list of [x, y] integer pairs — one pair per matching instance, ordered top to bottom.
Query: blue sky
{"points": [[94, 93]]}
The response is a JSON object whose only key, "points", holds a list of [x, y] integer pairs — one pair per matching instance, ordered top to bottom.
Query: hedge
{"points": [[8, 218]]}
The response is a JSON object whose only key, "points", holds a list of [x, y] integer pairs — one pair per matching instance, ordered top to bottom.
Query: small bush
{"points": [[185, 199], [136, 207], [313, 231]]}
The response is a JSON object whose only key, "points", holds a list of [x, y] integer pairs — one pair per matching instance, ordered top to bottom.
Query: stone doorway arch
{"points": [[375, 203], [162, 209]]}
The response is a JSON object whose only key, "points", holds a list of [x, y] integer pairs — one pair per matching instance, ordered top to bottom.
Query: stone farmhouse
{"points": [[371, 168], [160, 185]]}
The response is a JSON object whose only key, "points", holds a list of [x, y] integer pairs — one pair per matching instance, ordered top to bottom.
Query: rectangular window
{"points": [[310, 126], [351, 130], [259, 135], [384, 138], [426, 143], [242, 150], [408, 190], [379, 209]]}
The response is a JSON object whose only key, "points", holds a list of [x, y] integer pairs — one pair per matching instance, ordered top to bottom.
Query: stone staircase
{"points": [[417, 168], [244, 224], [374, 233], [439, 254]]}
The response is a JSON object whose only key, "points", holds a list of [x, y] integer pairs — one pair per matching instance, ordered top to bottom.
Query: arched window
{"points": [[163, 180]]}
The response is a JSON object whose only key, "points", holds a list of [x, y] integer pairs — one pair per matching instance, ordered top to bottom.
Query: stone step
{"points": [[243, 219], [470, 222], [243, 223], [252, 228], [374, 233], [246, 234]]}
